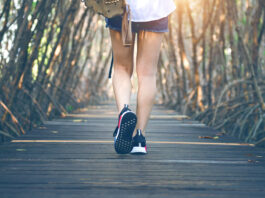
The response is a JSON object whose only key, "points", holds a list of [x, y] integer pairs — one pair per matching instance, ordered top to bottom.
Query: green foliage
{"points": [[244, 20], [69, 108]]}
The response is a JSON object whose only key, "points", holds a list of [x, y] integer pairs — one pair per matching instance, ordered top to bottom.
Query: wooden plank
{"points": [[74, 157]]}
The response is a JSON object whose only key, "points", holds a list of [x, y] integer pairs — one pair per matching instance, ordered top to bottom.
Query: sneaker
{"points": [[124, 130], [139, 143]]}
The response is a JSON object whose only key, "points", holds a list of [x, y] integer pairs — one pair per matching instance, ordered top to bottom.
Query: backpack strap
{"points": [[111, 66]]}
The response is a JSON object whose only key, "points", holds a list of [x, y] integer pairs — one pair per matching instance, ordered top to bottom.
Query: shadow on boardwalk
{"points": [[74, 157]]}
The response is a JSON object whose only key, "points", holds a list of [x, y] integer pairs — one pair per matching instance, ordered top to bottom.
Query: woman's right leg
{"points": [[123, 69]]}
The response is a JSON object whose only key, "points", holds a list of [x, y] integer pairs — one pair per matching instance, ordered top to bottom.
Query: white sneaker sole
{"points": [[138, 150]]}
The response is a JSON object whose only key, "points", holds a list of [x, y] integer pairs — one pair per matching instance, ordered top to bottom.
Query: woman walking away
{"points": [[149, 23]]}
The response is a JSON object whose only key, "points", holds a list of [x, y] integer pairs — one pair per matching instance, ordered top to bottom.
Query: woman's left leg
{"points": [[148, 50]]}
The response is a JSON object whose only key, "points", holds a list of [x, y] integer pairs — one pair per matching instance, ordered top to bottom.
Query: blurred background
{"points": [[55, 57]]}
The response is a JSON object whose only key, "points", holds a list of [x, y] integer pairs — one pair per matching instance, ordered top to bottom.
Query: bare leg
{"points": [[148, 50], [123, 69]]}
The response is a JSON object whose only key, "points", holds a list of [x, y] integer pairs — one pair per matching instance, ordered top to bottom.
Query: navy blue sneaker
{"points": [[123, 132], [139, 143]]}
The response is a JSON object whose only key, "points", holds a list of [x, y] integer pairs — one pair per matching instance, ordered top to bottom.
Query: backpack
{"points": [[107, 8], [111, 8]]}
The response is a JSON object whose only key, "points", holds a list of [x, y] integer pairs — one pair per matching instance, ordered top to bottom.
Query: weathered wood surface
{"points": [[81, 161]]}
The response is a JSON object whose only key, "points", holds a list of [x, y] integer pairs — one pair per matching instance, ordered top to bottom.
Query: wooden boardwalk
{"points": [[74, 157]]}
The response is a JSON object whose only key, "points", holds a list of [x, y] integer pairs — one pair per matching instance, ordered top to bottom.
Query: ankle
{"points": [[121, 108], [136, 131]]}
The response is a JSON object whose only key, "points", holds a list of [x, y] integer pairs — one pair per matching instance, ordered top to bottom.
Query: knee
{"points": [[123, 67], [146, 73]]}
